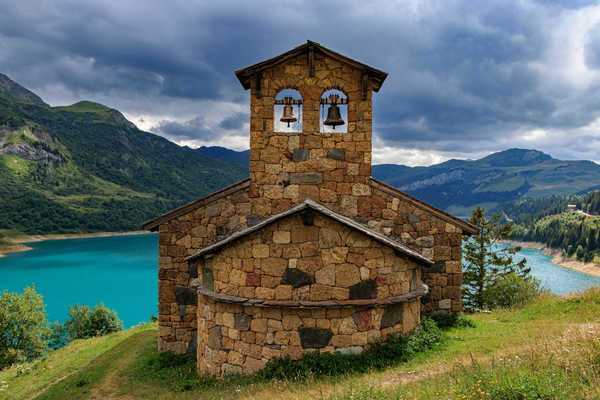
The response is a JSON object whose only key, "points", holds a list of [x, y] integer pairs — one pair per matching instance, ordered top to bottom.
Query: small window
{"points": [[288, 111], [334, 112]]}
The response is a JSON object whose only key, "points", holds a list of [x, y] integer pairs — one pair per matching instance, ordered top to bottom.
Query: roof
{"points": [[245, 74], [313, 205], [154, 223], [467, 228]]}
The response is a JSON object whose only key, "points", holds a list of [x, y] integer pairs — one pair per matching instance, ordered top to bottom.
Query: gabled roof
{"points": [[245, 74], [313, 205], [154, 223], [467, 228]]}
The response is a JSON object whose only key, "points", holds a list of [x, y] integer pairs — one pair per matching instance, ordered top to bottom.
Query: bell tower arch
{"points": [[288, 167]]}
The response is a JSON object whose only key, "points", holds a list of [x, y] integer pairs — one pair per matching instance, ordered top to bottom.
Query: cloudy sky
{"points": [[466, 78]]}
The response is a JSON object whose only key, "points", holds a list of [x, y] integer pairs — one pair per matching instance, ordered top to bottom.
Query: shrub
{"points": [[512, 291], [446, 320], [84, 322], [23, 327]]}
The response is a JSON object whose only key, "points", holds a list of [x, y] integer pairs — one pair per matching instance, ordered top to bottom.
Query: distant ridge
{"points": [[225, 154]]}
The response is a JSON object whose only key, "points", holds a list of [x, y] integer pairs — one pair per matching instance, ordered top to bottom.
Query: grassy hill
{"points": [[86, 168], [550, 349]]}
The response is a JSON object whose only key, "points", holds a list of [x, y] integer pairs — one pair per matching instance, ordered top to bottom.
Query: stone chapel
{"points": [[310, 253]]}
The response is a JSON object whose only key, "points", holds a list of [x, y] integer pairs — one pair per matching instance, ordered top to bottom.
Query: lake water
{"points": [[121, 272]]}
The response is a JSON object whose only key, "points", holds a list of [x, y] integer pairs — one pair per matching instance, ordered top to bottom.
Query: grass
{"points": [[549, 348]]}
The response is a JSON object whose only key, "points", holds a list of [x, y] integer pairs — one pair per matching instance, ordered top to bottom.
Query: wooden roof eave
{"points": [[245, 75]]}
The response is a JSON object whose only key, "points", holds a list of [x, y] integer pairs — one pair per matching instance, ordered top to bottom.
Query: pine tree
{"points": [[484, 262]]}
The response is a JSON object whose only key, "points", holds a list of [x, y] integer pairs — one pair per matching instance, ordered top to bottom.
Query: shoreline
{"points": [[17, 244], [557, 257]]}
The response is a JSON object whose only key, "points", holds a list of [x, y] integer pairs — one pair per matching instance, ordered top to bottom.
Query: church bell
{"points": [[288, 115], [334, 118]]}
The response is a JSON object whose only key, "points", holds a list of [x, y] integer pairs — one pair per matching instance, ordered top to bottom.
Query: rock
{"points": [[336, 154], [300, 155], [306, 178], [212, 211], [414, 218], [252, 220], [281, 237], [425, 241], [438, 266], [326, 275], [346, 275], [296, 278], [364, 290], [185, 295], [445, 304], [391, 316], [362, 319], [242, 321], [214, 338], [314, 338], [349, 350]]}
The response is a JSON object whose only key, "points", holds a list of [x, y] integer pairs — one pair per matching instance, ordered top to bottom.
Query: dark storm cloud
{"points": [[464, 76], [235, 121], [194, 129]]}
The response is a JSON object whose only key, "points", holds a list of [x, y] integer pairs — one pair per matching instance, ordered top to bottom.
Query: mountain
{"points": [[225, 154], [86, 168], [459, 185]]}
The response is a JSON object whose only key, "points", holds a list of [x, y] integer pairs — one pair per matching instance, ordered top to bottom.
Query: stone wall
{"points": [[383, 210], [294, 259], [289, 260], [241, 339]]}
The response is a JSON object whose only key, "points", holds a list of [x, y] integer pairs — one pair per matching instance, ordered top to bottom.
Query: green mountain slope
{"points": [[86, 168], [458, 185]]}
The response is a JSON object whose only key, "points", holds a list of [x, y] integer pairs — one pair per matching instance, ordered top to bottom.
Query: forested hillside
{"points": [[85, 168], [548, 221]]}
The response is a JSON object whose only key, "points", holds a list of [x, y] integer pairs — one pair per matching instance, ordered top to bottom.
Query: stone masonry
{"points": [[332, 169]]}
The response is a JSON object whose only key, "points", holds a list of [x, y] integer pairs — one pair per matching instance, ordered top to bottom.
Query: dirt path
{"points": [[116, 362], [108, 388]]}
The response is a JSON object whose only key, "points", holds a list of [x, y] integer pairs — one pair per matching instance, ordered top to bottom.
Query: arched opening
{"points": [[288, 111], [334, 112]]}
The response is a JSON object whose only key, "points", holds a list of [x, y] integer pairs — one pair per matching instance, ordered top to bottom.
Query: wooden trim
{"points": [[245, 74]]}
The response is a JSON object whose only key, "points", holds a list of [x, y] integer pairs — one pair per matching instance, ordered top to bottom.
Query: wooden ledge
{"points": [[309, 304]]}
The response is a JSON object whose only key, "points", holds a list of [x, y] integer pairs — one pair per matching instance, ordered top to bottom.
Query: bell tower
{"points": [[329, 158]]}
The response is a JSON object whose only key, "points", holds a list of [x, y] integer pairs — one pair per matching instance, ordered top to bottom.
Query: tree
{"points": [[485, 262], [84, 322], [24, 329]]}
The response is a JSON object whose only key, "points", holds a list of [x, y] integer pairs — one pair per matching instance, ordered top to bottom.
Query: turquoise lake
{"points": [[121, 272]]}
